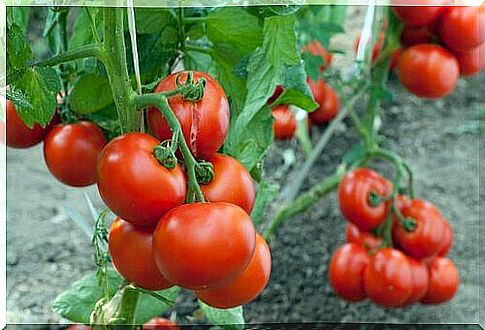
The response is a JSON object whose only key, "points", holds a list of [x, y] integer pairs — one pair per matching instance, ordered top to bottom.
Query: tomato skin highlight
{"points": [[417, 15], [463, 28], [315, 48], [471, 61], [428, 71], [328, 100], [205, 123], [284, 125], [71, 152], [232, 183], [133, 184], [353, 194], [363, 238], [426, 239], [205, 245], [130, 248], [346, 271], [388, 279], [420, 280], [443, 281], [247, 286], [160, 324]]}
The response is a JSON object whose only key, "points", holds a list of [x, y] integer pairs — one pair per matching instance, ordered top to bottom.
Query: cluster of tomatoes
{"points": [[439, 43], [328, 100], [158, 240], [415, 270], [153, 324]]}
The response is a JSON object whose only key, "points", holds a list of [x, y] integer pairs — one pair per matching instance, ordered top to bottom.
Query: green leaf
{"points": [[19, 16], [151, 20], [50, 22], [234, 26], [82, 32], [280, 44], [19, 52], [313, 63], [40, 87], [90, 94], [107, 119], [356, 152], [266, 194], [149, 307], [231, 319]]}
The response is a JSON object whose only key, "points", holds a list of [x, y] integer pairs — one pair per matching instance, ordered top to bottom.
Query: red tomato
{"points": [[419, 13], [463, 28], [411, 36], [377, 46], [315, 48], [471, 61], [428, 71], [278, 91], [328, 100], [284, 122], [204, 123], [20, 135], [71, 152], [132, 182], [232, 183], [354, 194], [363, 238], [427, 238], [447, 240], [200, 246], [130, 248], [346, 271], [387, 279], [420, 280], [443, 281], [247, 286], [160, 324], [78, 327]]}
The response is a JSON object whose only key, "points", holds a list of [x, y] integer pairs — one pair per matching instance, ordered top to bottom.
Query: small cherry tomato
{"points": [[419, 13], [463, 28], [411, 36], [315, 48], [471, 61], [428, 70], [278, 91], [328, 101], [204, 123], [284, 126], [71, 152], [133, 183], [232, 183], [355, 193], [363, 238], [426, 239], [205, 245], [130, 248], [346, 272], [387, 278], [420, 280], [443, 281], [247, 286], [159, 323]]}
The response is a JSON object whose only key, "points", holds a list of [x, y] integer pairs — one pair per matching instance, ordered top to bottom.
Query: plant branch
{"points": [[82, 52]]}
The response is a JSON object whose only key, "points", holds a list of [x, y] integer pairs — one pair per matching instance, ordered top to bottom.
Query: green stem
{"points": [[188, 20], [92, 24], [72, 55], [409, 171], [305, 200], [126, 310]]}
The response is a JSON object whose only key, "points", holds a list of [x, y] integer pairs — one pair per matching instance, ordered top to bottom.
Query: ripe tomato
{"points": [[417, 15], [463, 28], [411, 36], [377, 46], [315, 48], [471, 61], [428, 70], [277, 92], [328, 100], [204, 123], [284, 126], [20, 135], [71, 152], [132, 182], [232, 183], [354, 193], [363, 238], [427, 238], [447, 240], [199, 246], [130, 248], [346, 271], [387, 279], [420, 280], [443, 281], [247, 286], [160, 324], [78, 327]]}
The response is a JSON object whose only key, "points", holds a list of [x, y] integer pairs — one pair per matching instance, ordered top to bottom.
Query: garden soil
{"points": [[47, 251]]}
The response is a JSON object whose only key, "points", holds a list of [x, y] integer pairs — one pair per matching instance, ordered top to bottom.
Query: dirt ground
{"points": [[46, 251]]}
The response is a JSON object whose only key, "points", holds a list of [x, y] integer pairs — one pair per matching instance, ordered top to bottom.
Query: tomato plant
{"points": [[417, 15], [462, 28], [328, 101], [284, 122], [443, 281]]}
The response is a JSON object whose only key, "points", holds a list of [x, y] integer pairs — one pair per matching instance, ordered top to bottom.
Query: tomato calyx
{"points": [[191, 90], [165, 153], [204, 172], [375, 199]]}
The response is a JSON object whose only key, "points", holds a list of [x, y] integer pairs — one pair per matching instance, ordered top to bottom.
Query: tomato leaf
{"points": [[19, 16], [151, 20], [82, 32], [280, 44], [19, 52], [90, 94], [356, 152], [267, 192], [148, 306], [231, 319]]}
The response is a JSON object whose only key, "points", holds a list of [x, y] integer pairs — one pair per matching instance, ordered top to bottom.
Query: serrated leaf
{"points": [[280, 44], [18, 50], [91, 93], [266, 194], [231, 319]]}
